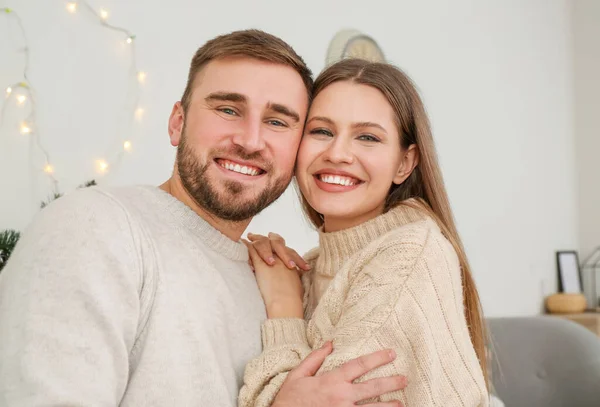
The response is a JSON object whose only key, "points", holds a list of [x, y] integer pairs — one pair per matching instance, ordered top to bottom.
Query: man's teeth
{"points": [[242, 169], [336, 179]]}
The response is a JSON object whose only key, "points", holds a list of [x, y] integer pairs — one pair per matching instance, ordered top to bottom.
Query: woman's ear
{"points": [[409, 161]]}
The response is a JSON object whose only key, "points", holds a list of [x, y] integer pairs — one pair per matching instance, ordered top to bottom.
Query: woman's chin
{"points": [[334, 210]]}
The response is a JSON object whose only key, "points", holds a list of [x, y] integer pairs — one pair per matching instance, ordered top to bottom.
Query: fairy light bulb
{"points": [[72, 7], [103, 14], [130, 39], [141, 76], [8, 91], [21, 99], [139, 113], [25, 128], [127, 146], [101, 166], [48, 169]]}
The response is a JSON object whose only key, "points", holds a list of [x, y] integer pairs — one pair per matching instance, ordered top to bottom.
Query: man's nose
{"points": [[250, 136]]}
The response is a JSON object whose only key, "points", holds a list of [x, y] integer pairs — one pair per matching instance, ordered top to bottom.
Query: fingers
{"points": [[254, 237], [276, 237], [273, 244], [278, 246], [264, 250], [252, 254], [289, 256], [292, 258], [300, 262], [311, 364], [355, 368], [378, 387]]}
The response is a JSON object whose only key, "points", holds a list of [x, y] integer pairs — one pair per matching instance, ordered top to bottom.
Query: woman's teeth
{"points": [[339, 180]]}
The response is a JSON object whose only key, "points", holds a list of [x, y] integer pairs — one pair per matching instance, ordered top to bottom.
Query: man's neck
{"points": [[232, 230]]}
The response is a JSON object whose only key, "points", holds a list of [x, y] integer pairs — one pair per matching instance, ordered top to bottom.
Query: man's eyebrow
{"points": [[226, 97], [282, 109], [362, 125]]}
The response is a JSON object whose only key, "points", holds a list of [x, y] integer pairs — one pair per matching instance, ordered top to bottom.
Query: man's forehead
{"points": [[258, 81]]}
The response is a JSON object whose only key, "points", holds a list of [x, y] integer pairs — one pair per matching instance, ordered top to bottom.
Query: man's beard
{"points": [[230, 205]]}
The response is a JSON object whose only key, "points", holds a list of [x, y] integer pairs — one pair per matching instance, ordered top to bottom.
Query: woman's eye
{"points": [[228, 111], [324, 132], [368, 137]]}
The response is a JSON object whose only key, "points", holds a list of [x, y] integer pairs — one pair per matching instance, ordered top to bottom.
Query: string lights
{"points": [[72, 7], [22, 94], [25, 128], [102, 166]]}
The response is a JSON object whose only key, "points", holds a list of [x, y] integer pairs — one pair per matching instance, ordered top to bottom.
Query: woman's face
{"points": [[350, 155]]}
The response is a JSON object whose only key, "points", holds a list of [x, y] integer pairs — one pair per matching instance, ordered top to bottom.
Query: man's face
{"points": [[237, 143]]}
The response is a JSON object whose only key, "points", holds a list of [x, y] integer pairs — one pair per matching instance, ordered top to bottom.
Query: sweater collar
{"points": [[185, 218], [335, 248]]}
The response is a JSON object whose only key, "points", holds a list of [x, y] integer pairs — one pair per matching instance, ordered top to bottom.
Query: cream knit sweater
{"points": [[392, 282]]}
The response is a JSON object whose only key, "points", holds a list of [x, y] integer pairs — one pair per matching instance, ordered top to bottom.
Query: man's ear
{"points": [[176, 121], [409, 161]]}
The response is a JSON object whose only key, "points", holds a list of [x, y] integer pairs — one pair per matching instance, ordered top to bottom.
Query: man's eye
{"points": [[228, 111], [277, 123]]}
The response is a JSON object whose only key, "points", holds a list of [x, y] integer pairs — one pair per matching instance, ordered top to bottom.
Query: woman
{"points": [[390, 270]]}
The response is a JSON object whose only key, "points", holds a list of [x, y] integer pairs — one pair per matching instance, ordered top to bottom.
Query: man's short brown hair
{"points": [[246, 43]]}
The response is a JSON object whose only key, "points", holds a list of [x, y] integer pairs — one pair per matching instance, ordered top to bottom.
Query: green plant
{"points": [[8, 241]]}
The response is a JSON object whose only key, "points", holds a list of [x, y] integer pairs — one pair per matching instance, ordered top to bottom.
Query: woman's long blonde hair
{"points": [[425, 183]]}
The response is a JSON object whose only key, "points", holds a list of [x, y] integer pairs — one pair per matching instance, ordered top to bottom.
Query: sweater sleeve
{"points": [[69, 306], [285, 345]]}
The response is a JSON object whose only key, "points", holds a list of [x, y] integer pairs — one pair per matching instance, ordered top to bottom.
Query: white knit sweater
{"points": [[392, 282], [126, 297]]}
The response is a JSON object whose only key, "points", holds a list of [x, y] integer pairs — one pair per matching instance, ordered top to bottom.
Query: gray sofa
{"points": [[545, 362]]}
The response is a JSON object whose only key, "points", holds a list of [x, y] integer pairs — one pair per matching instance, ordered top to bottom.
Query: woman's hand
{"points": [[272, 246], [280, 286]]}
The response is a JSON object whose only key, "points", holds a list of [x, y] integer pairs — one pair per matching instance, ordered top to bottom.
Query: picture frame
{"points": [[569, 272]]}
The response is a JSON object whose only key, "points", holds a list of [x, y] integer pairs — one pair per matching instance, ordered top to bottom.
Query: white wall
{"points": [[586, 29], [496, 77]]}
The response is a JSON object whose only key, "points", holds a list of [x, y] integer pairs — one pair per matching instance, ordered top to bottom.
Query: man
{"points": [[142, 296]]}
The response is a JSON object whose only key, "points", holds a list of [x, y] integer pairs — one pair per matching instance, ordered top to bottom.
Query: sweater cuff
{"points": [[283, 331]]}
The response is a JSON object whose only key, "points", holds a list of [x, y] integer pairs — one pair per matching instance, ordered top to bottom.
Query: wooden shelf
{"points": [[590, 320]]}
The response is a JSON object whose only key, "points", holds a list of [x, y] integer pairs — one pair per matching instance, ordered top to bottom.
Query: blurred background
{"points": [[511, 87]]}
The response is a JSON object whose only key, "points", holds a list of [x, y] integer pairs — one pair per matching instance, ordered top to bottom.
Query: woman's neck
{"points": [[335, 224]]}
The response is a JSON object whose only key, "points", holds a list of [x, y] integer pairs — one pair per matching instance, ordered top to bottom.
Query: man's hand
{"points": [[336, 388]]}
